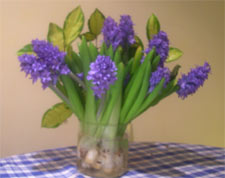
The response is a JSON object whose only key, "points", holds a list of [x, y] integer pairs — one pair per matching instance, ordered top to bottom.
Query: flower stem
{"points": [[78, 80], [60, 95], [101, 105]]}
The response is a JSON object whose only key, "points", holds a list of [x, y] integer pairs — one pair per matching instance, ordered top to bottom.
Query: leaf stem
{"points": [[78, 80]]}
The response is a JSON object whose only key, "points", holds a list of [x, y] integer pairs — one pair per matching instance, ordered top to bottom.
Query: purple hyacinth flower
{"points": [[126, 30], [111, 33], [122, 34], [161, 43], [47, 63], [161, 72], [103, 74], [190, 83]]}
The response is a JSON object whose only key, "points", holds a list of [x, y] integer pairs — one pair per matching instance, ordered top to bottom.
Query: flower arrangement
{"points": [[106, 86]]}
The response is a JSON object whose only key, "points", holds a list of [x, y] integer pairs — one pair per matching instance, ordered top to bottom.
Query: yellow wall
{"points": [[195, 27]]}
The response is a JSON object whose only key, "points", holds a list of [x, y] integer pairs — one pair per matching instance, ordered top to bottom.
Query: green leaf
{"points": [[96, 21], [73, 25], [153, 26], [55, 36], [89, 36], [138, 42], [133, 48], [27, 49], [103, 49], [93, 51], [110, 52], [174, 54], [84, 55], [118, 55], [137, 58], [73, 60], [77, 62], [155, 63], [174, 72], [131, 83], [134, 86], [61, 88], [170, 88], [131, 95], [141, 95], [74, 97], [151, 97], [90, 105], [56, 115]]}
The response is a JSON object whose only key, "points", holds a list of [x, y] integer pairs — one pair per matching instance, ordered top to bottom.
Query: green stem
{"points": [[78, 80], [60, 95], [101, 105], [111, 112], [111, 128]]}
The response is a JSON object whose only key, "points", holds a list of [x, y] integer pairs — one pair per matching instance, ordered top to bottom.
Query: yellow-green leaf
{"points": [[96, 21], [73, 25], [153, 26], [55, 36], [89, 36], [27, 49], [174, 54], [56, 115]]}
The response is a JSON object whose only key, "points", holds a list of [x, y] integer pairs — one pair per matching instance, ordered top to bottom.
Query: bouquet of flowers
{"points": [[108, 85]]}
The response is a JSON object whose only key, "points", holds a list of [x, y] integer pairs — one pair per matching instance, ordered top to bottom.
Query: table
{"points": [[146, 160]]}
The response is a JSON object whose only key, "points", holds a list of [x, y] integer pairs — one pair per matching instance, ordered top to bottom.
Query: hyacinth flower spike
{"points": [[122, 34], [160, 42], [47, 64], [102, 74], [157, 77], [189, 83]]}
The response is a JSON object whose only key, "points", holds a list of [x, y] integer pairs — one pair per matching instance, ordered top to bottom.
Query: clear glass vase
{"points": [[102, 150]]}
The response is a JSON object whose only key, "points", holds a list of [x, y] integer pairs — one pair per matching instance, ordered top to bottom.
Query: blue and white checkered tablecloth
{"points": [[146, 160]]}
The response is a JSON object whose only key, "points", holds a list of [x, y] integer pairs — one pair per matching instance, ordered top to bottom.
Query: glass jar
{"points": [[102, 150]]}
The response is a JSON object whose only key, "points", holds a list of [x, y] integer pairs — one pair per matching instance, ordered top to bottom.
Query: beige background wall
{"points": [[195, 27]]}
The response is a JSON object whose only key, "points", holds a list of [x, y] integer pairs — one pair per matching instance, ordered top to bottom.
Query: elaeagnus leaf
{"points": [[96, 21], [73, 25], [153, 26], [55, 36], [89, 36], [27, 49], [174, 54], [56, 115]]}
